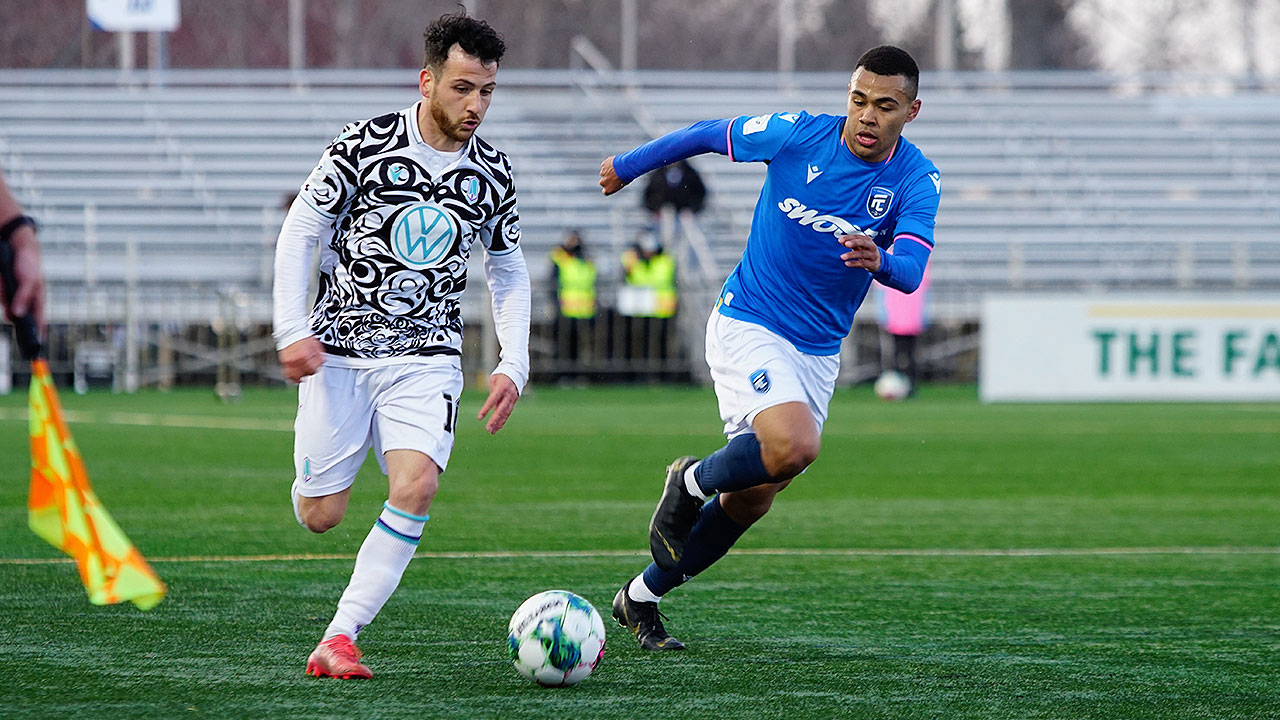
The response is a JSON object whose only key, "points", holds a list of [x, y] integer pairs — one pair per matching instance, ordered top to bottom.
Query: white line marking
{"points": [[195, 422], [786, 552]]}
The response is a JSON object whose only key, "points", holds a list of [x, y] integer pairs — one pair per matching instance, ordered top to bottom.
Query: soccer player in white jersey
{"points": [[846, 200], [395, 205]]}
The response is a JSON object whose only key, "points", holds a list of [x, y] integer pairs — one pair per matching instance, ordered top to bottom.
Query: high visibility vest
{"points": [[659, 275], [577, 286]]}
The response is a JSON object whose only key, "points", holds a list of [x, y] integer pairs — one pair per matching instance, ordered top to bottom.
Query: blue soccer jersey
{"points": [[791, 279]]}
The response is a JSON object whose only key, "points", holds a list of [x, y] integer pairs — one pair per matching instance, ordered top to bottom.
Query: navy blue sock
{"points": [[736, 466], [712, 536]]}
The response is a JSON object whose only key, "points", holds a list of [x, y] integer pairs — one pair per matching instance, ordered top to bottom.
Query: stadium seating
{"points": [[167, 187]]}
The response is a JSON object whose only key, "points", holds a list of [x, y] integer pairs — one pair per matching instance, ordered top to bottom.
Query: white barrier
{"points": [[1135, 347], [6, 371]]}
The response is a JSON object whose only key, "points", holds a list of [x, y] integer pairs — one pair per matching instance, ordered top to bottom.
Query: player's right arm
{"points": [[701, 137], [743, 139], [324, 196], [300, 353]]}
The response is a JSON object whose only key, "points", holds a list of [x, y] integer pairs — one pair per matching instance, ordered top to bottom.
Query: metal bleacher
{"points": [[160, 196]]}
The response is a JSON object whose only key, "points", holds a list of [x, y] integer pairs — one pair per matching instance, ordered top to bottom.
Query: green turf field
{"points": [[942, 559]]}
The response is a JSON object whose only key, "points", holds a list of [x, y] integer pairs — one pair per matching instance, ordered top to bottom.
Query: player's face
{"points": [[456, 98], [879, 105]]}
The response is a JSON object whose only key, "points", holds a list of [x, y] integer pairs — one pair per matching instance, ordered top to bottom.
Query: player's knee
{"points": [[788, 457], [424, 487], [414, 494], [319, 519]]}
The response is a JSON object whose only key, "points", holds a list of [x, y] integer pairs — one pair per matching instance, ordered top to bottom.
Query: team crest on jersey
{"points": [[471, 188], [878, 201], [423, 235], [760, 381]]}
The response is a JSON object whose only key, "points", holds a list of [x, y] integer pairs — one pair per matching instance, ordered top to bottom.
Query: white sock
{"points": [[691, 482], [293, 492], [380, 564], [640, 592]]}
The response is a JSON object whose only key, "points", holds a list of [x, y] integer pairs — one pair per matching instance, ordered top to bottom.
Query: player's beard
{"points": [[452, 129]]}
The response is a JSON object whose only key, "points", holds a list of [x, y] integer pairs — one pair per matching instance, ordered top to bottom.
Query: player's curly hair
{"points": [[474, 36], [890, 60]]}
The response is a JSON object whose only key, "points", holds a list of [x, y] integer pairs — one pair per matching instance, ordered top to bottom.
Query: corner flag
{"points": [[64, 510]]}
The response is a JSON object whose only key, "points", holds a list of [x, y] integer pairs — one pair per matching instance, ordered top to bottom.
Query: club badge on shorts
{"points": [[760, 381]]}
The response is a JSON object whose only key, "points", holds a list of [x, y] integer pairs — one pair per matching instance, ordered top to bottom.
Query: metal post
{"points": [[630, 22], [297, 34], [787, 36], [944, 39], [124, 48], [157, 56], [90, 243], [132, 371]]}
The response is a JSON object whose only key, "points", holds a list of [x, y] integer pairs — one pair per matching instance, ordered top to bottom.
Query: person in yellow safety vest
{"points": [[653, 271], [574, 280], [648, 300]]}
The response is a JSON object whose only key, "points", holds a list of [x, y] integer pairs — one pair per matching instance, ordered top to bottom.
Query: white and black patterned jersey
{"points": [[392, 275]]}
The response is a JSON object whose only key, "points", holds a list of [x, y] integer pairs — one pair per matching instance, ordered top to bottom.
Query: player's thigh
{"points": [[754, 369], [416, 408], [332, 433]]}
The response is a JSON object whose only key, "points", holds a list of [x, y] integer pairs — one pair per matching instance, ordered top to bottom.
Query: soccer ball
{"points": [[892, 385], [556, 638]]}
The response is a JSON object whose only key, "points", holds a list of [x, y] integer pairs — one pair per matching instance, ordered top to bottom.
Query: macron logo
{"points": [[813, 173], [809, 217]]}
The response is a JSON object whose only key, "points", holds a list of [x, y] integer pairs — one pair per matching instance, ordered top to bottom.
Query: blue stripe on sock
{"points": [[407, 516], [397, 534]]}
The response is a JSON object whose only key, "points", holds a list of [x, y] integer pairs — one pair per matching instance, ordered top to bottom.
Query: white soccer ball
{"points": [[892, 385], [556, 638]]}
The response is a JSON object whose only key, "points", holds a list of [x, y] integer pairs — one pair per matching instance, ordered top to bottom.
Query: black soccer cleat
{"points": [[674, 518], [644, 620]]}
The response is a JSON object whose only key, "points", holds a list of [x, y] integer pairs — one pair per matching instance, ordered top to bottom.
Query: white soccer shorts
{"points": [[754, 368], [342, 412]]}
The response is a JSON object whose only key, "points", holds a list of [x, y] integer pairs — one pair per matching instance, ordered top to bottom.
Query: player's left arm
{"points": [[902, 268], [508, 277]]}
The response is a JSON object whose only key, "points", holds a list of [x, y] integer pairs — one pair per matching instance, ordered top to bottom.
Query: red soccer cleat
{"points": [[337, 657]]}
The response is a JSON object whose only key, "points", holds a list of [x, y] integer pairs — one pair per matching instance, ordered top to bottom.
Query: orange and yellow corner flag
{"points": [[64, 510]]}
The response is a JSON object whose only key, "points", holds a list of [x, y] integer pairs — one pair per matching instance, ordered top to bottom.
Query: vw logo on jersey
{"points": [[471, 188], [878, 201], [423, 235], [760, 381]]}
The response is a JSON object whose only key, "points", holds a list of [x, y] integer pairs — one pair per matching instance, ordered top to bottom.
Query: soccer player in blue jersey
{"points": [[846, 200]]}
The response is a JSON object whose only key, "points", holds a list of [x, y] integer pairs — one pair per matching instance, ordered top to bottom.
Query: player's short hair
{"points": [[474, 36], [890, 60]]}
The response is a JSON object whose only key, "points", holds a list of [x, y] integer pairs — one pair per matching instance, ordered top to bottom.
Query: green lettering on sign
{"points": [[1104, 338], [1150, 353], [1231, 353], [1183, 354], [1268, 354]]}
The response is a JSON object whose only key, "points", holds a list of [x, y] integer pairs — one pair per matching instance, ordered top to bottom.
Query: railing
{"points": [[1034, 197]]}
